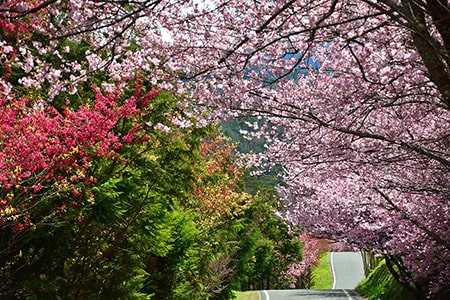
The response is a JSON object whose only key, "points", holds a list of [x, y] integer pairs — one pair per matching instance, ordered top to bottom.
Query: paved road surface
{"points": [[347, 270], [309, 295]]}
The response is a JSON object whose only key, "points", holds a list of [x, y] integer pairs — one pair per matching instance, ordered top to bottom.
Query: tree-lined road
{"points": [[347, 270], [309, 295]]}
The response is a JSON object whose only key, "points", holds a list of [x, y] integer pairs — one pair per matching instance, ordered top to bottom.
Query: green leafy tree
{"points": [[267, 246]]}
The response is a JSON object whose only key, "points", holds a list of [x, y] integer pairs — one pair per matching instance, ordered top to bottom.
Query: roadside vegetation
{"points": [[322, 278], [381, 285], [250, 295]]}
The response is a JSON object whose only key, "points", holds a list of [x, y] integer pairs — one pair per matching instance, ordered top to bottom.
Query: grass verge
{"points": [[321, 274], [380, 284], [249, 295]]}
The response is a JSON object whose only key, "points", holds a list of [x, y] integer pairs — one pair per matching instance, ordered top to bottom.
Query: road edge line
{"points": [[333, 274], [266, 294], [348, 295]]}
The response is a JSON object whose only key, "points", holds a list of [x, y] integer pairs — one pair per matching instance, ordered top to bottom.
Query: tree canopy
{"points": [[355, 96]]}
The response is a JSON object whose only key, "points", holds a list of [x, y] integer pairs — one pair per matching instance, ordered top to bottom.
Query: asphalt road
{"points": [[347, 270], [309, 295]]}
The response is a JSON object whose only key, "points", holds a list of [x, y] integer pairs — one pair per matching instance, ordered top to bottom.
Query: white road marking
{"points": [[332, 271], [266, 294], [348, 296]]}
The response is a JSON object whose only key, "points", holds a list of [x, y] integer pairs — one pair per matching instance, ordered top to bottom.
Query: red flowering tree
{"points": [[44, 151], [53, 190]]}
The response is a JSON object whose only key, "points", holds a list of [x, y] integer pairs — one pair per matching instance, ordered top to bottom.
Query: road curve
{"points": [[347, 269], [308, 295]]}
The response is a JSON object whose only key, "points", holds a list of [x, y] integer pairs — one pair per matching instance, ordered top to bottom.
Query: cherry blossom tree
{"points": [[355, 96], [300, 274]]}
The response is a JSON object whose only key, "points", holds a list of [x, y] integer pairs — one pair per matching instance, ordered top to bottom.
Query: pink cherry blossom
{"points": [[355, 95]]}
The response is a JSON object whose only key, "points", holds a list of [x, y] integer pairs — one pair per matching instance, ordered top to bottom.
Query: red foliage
{"points": [[41, 146]]}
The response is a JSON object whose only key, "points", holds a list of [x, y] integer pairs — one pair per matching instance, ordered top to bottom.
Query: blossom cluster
{"points": [[356, 96]]}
